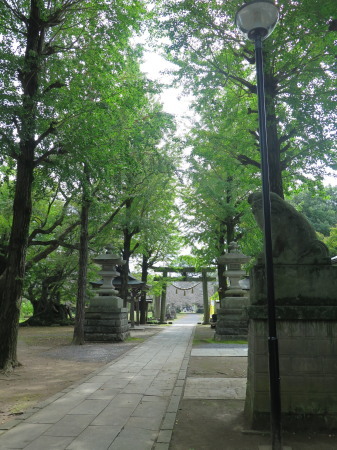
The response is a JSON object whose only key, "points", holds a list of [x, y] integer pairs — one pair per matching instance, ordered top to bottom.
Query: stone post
{"points": [[205, 296], [163, 299], [156, 307]]}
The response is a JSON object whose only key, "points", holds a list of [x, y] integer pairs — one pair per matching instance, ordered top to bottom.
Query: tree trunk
{"points": [[273, 143], [126, 254], [221, 267], [125, 268], [12, 279], [11, 282], [48, 309], [132, 311], [137, 311], [78, 337]]}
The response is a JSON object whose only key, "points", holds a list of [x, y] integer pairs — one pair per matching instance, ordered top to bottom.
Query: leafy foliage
{"points": [[300, 80], [319, 207]]}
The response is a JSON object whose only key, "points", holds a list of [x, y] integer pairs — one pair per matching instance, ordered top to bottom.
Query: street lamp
{"points": [[256, 20]]}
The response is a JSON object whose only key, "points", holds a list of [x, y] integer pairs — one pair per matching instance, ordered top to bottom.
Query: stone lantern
{"points": [[234, 261], [231, 317], [106, 319]]}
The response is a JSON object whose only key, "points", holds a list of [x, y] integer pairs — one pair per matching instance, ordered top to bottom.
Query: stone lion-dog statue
{"points": [[294, 240]]}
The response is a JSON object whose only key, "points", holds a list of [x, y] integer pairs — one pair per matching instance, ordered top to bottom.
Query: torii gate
{"points": [[184, 271]]}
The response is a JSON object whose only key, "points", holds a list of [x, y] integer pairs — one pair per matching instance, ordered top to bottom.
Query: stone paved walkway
{"points": [[132, 403], [129, 404]]}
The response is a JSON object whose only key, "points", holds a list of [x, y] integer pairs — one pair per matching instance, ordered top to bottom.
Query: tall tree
{"points": [[42, 48], [300, 80], [148, 165], [214, 201]]}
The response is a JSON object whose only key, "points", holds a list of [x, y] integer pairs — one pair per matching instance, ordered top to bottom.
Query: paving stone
{"points": [[220, 352], [110, 371], [150, 373], [182, 375], [99, 379], [119, 383], [87, 388], [137, 388], [215, 388], [177, 391], [158, 392], [104, 393], [152, 398], [49, 400], [125, 400], [173, 405], [90, 407], [151, 409], [51, 414], [115, 417], [169, 421], [147, 423], [70, 425], [23, 435], [165, 436], [94, 438], [135, 439], [49, 442], [161, 446]]}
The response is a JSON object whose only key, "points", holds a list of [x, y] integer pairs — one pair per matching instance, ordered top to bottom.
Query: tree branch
{"points": [[16, 12], [56, 85], [251, 87], [50, 130], [255, 134], [287, 136], [285, 148], [54, 151], [245, 161], [108, 222], [49, 230], [54, 244]]}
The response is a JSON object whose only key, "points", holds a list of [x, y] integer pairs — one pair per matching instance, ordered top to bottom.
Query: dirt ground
{"points": [[50, 364], [203, 424]]}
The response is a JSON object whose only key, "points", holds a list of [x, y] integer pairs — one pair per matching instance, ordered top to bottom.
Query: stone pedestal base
{"points": [[296, 284], [106, 320], [232, 321], [110, 326], [308, 353]]}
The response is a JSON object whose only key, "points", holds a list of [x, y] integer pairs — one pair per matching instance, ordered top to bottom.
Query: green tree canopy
{"points": [[217, 65]]}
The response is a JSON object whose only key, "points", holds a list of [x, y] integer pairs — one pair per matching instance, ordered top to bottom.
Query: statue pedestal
{"points": [[296, 284], [306, 313], [106, 320], [232, 320]]}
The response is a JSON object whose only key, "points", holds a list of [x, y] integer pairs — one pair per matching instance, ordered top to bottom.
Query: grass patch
{"points": [[46, 336], [134, 339], [212, 341], [22, 404]]}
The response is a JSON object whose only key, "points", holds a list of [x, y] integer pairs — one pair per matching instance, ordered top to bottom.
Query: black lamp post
{"points": [[256, 20]]}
